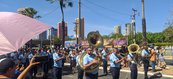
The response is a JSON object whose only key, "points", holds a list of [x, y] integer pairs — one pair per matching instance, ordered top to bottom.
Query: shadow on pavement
{"points": [[66, 70], [156, 75]]}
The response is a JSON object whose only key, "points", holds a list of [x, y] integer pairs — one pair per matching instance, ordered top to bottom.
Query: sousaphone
{"points": [[94, 40]]}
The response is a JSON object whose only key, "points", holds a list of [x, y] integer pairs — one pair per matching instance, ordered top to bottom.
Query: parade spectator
{"points": [[153, 57], [162, 63], [31, 64], [7, 68]]}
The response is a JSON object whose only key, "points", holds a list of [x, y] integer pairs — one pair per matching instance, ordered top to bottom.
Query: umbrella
{"points": [[16, 30]]}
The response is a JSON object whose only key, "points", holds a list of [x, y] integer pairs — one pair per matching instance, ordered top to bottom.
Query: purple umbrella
{"points": [[16, 30]]}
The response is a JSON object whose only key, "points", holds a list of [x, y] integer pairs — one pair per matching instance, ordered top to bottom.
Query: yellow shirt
{"points": [[153, 55]]}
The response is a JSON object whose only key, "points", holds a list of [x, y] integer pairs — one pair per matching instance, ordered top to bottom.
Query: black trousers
{"points": [[105, 65], [146, 65], [134, 71], [57, 72], [80, 72], [115, 72], [91, 76]]}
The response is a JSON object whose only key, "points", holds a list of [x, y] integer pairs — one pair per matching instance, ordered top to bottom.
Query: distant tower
{"points": [[117, 29], [128, 29], [59, 30], [80, 31], [51, 33]]}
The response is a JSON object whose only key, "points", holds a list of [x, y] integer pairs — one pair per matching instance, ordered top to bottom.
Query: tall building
{"points": [[117, 29], [128, 29], [59, 30], [80, 30], [51, 33], [42, 36]]}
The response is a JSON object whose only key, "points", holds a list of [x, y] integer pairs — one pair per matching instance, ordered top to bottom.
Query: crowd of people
{"points": [[22, 64]]}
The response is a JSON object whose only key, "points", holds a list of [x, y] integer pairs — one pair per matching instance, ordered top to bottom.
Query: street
{"points": [[125, 74]]}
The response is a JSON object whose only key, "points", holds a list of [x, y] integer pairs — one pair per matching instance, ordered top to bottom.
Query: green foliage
{"points": [[63, 3], [30, 12], [168, 33], [105, 36], [116, 36], [155, 37], [67, 38], [57, 40], [163, 44]]}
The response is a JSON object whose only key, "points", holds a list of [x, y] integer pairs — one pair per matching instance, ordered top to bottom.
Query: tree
{"points": [[63, 4], [30, 12], [168, 33], [106, 36], [116, 36], [56, 40]]}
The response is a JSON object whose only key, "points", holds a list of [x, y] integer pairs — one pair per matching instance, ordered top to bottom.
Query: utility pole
{"points": [[79, 8], [143, 24], [134, 25], [76, 32]]}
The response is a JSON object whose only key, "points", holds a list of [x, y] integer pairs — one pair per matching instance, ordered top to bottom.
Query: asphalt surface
{"points": [[68, 74]]}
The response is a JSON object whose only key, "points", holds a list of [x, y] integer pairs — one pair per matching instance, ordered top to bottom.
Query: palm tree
{"points": [[63, 4], [30, 12], [143, 23]]}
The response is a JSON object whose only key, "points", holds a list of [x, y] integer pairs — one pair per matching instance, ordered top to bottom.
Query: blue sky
{"points": [[101, 15]]}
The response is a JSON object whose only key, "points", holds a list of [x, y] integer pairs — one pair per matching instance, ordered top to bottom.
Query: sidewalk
{"points": [[168, 57]]}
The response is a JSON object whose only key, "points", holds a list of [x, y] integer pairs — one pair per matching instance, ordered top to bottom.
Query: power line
{"points": [[108, 9], [99, 14], [44, 15]]}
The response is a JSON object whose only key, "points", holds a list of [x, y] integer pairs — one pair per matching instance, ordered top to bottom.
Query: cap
{"points": [[5, 64]]}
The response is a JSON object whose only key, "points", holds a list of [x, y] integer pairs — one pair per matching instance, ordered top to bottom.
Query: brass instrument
{"points": [[94, 40], [133, 48]]}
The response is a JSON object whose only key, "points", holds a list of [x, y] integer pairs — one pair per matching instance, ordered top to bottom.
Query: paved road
{"points": [[169, 62], [67, 74], [123, 75]]}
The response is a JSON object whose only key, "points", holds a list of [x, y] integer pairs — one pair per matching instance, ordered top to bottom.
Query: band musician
{"points": [[145, 60], [88, 61], [115, 64]]}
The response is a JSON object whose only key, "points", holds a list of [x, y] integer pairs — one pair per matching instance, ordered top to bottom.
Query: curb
{"points": [[139, 72]]}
